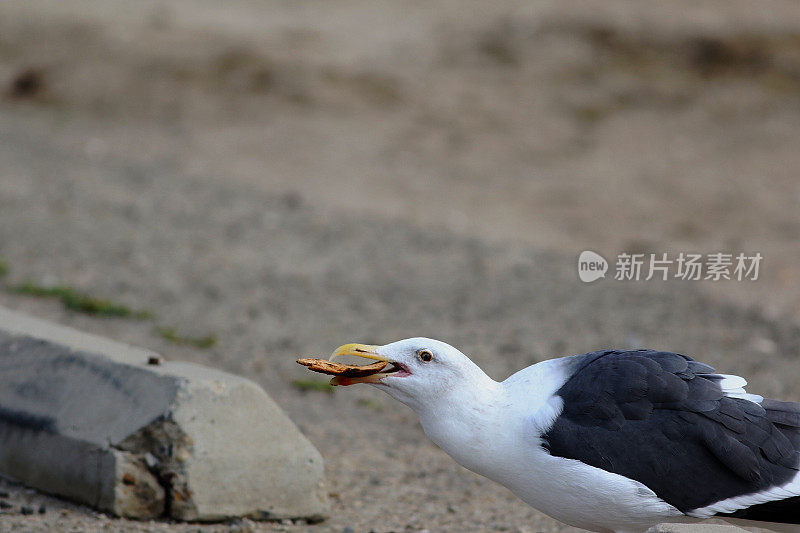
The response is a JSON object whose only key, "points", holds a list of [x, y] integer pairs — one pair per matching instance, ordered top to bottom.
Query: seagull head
{"points": [[420, 370]]}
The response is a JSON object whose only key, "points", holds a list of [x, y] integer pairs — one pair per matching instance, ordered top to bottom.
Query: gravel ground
{"points": [[631, 126], [379, 185], [273, 278]]}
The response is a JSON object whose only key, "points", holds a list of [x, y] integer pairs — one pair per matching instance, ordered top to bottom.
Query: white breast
{"points": [[498, 436], [587, 497]]}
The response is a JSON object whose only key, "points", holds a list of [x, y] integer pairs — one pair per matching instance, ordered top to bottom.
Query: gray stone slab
{"points": [[125, 431]]}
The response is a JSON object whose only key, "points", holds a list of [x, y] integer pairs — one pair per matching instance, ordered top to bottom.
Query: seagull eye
{"points": [[425, 355]]}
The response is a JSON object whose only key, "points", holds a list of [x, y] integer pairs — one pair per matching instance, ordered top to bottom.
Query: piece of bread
{"points": [[338, 369]]}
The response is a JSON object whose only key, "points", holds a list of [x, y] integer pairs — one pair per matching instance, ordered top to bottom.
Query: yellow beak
{"points": [[360, 350]]}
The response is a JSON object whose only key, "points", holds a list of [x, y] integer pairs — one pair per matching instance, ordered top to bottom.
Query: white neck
{"points": [[464, 423], [480, 426]]}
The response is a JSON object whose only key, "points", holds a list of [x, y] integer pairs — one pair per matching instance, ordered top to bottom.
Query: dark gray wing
{"points": [[662, 419]]}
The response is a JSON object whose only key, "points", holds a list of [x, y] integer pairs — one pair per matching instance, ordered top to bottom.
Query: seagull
{"points": [[612, 441]]}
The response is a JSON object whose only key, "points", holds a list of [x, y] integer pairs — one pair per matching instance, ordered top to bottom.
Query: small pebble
{"points": [[42, 509], [26, 510], [242, 526], [349, 529]]}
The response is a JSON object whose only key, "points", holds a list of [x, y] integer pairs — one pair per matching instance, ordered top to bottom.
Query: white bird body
{"points": [[485, 431], [507, 431]]}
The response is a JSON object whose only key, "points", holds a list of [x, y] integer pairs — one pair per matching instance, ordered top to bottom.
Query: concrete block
{"points": [[123, 430]]}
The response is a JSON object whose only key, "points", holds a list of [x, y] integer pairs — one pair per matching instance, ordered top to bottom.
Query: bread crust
{"points": [[338, 369]]}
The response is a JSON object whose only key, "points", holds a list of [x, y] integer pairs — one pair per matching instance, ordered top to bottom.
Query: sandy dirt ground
{"points": [[289, 178]]}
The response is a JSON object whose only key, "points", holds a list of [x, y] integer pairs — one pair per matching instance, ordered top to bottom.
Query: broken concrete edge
{"points": [[17, 323], [120, 429]]}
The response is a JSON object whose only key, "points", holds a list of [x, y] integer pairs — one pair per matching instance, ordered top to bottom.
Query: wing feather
{"points": [[691, 435]]}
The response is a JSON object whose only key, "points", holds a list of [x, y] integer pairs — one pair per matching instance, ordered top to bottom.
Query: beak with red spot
{"points": [[368, 351]]}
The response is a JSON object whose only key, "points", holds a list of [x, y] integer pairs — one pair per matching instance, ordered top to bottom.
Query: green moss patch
{"points": [[78, 301], [171, 335], [313, 385], [369, 403]]}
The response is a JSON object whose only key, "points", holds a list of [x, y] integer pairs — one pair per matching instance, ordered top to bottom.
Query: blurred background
{"points": [[241, 183]]}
